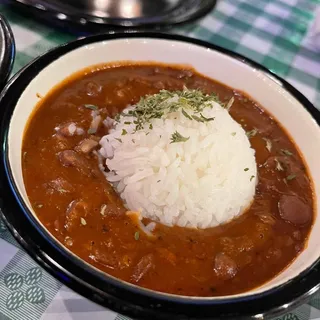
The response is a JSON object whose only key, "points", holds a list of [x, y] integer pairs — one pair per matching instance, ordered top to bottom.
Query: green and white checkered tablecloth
{"points": [[274, 33]]}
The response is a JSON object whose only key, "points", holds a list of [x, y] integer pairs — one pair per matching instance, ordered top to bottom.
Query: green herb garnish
{"points": [[230, 103], [158, 105], [91, 106], [186, 114], [117, 117], [194, 117], [202, 118], [206, 119], [127, 122], [150, 126], [92, 131], [124, 132], [233, 133], [251, 133], [177, 137], [118, 139], [268, 144], [286, 152], [278, 165], [246, 169], [291, 177], [251, 178], [137, 235]]}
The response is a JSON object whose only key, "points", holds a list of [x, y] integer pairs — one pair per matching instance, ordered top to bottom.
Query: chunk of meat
{"points": [[95, 123], [67, 129], [62, 142], [87, 145], [70, 158], [289, 166], [60, 185], [266, 185], [76, 210], [111, 210], [294, 210], [112, 259], [108, 260], [145, 264], [224, 267]]}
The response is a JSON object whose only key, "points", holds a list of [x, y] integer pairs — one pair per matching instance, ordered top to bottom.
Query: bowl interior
{"points": [[259, 85]]}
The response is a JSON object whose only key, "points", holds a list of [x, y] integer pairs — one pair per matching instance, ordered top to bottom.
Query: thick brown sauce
{"points": [[229, 259]]}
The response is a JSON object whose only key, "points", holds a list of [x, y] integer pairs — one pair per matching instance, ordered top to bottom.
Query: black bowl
{"points": [[106, 290]]}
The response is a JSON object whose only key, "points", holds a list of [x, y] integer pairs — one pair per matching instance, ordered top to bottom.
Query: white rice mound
{"points": [[202, 182]]}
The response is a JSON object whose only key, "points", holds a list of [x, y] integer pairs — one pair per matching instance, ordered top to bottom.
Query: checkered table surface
{"points": [[274, 33]]}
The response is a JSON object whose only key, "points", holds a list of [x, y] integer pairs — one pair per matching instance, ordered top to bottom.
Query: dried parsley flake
{"points": [[230, 103], [158, 105], [91, 106], [92, 131], [251, 133], [177, 137], [268, 144], [286, 152], [278, 165], [291, 177]]}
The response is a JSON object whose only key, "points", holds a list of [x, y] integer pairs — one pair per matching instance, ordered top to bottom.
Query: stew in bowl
{"points": [[160, 174]]}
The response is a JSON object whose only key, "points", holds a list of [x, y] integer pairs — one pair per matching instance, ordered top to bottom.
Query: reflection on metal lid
{"points": [[133, 13]]}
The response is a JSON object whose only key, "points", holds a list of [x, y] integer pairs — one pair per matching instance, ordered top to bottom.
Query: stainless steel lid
{"points": [[125, 13], [7, 51]]}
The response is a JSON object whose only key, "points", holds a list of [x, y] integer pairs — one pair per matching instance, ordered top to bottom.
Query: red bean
{"points": [[294, 210]]}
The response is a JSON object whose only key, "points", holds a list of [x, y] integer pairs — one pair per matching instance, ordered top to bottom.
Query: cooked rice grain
{"points": [[202, 182]]}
